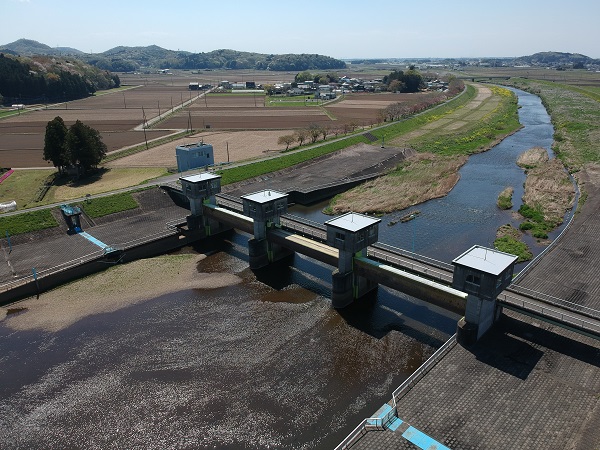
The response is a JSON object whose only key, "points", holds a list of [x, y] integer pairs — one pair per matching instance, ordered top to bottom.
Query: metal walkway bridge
{"points": [[536, 304]]}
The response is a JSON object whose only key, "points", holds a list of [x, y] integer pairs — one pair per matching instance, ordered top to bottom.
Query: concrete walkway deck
{"points": [[524, 385]]}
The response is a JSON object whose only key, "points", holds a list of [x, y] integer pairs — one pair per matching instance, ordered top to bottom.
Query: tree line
{"points": [[41, 80], [313, 132], [78, 147]]}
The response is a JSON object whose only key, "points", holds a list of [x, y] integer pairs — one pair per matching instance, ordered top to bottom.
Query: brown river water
{"points": [[263, 363]]}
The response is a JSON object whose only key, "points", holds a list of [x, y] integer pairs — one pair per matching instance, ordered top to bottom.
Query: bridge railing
{"points": [[229, 201], [305, 227], [415, 256], [414, 266], [20, 281], [550, 299], [558, 315], [416, 376], [372, 423], [379, 423]]}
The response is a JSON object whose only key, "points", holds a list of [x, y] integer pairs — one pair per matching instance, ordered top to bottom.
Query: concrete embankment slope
{"points": [[325, 176], [57, 257], [524, 385]]}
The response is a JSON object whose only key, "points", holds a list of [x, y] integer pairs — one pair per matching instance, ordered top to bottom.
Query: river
{"points": [[468, 215], [262, 364]]}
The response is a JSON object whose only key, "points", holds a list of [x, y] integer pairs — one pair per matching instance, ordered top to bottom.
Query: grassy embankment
{"points": [[575, 115], [443, 138], [24, 186], [39, 220], [28, 222]]}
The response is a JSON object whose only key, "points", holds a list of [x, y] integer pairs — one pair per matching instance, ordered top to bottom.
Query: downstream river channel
{"points": [[448, 226], [265, 363]]}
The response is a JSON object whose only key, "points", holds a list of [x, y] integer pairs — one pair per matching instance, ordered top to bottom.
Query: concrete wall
{"points": [[156, 247]]}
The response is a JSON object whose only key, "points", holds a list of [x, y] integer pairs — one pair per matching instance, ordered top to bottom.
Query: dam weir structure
{"points": [[461, 287]]}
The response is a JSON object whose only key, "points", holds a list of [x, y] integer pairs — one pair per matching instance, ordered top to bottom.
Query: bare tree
{"points": [[314, 131], [300, 136], [287, 139]]}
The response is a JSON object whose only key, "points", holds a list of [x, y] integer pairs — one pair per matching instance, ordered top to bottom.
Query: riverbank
{"points": [[488, 120], [421, 177], [116, 288]]}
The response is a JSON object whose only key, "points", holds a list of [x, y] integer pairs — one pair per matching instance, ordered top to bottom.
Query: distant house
{"points": [[294, 92], [325, 92], [193, 156]]}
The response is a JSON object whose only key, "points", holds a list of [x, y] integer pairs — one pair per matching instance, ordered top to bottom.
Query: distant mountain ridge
{"points": [[125, 59]]}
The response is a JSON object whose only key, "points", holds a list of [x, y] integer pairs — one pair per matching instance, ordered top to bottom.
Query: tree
{"points": [[303, 76], [396, 86], [314, 131], [301, 136], [287, 139], [54, 143], [84, 145]]}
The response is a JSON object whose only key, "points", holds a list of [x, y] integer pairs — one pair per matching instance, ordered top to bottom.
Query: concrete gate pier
{"points": [[200, 189], [265, 209], [351, 234], [482, 273]]}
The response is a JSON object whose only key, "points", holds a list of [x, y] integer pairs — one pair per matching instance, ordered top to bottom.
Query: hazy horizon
{"points": [[354, 30]]}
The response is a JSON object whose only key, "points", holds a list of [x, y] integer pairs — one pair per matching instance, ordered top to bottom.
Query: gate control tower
{"points": [[200, 189], [265, 208], [351, 234], [482, 273]]}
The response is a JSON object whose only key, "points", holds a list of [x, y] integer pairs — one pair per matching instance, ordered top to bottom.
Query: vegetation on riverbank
{"points": [[575, 114], [443, 150], [422, 176], [549, 194], [505, 198], [508, 240]]}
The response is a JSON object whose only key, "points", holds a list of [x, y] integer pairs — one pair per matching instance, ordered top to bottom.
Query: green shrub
{"points": [[534, 214], [526, 226], [510, 245]]}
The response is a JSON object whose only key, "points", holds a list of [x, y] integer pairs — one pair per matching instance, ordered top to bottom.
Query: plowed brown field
{"points": [[118, 113]]}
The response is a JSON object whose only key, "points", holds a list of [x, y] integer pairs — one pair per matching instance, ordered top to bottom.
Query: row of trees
{"points": [[133, 58], [319, 78], [400, 110], [313, 132], [78, 146]]}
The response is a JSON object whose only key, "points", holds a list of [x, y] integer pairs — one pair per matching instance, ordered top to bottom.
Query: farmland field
{"points": [[116, 114]]}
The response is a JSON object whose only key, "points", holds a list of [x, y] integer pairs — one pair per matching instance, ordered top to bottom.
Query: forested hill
{"points": [[125, 59], [556, 59], [41, 79]]}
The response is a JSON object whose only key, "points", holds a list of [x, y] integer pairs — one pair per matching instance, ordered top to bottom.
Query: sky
{"points": [[340, 29]]}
